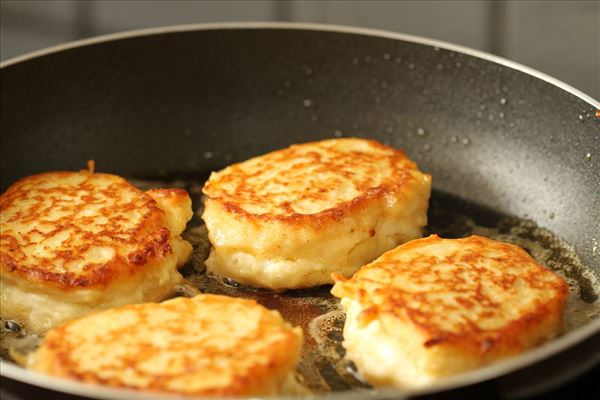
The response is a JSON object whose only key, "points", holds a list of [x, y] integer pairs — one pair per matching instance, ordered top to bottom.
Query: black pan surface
{"points": [[176, 104]]}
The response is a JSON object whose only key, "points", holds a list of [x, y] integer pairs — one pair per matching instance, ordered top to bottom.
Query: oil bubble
{"points": [[12, 326]]}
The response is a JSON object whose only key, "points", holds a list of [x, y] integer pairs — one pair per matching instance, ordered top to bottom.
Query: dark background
{"points": [[560, 38]]}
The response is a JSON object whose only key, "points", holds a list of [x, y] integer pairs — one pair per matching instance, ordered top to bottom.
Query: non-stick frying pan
{"points": [[501, 140]]}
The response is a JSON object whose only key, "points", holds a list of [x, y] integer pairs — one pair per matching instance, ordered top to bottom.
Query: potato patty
{"points": [[289, 218], [72, 242], [435, 307], [207, 345]]}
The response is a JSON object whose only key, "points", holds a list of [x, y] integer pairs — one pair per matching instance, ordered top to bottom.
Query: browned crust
{"points": [[401, 177], [176, 194], [319, 219], [149, 238], [507, 339], [282, 354]]}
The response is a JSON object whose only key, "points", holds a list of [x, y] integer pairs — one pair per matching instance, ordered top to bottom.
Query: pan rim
{"points": [[310, 27], [556, 346]]}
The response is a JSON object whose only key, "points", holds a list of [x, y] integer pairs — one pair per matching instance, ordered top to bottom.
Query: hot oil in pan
{"points": [[322, 367]]}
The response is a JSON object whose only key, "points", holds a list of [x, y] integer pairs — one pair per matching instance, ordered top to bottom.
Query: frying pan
{"points": [[174, 103]]}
